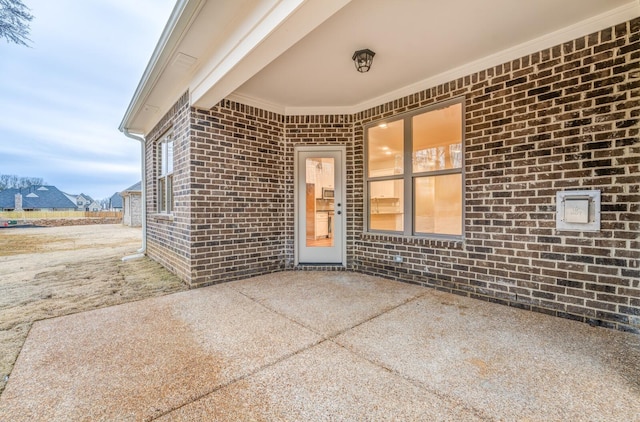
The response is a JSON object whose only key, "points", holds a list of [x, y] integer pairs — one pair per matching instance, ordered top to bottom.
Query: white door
{"points": [[320, 205]]}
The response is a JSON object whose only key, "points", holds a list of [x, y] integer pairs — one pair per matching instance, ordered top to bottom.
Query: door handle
{"points": [[339, 212]]}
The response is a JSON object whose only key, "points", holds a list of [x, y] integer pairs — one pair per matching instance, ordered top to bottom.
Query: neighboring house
{"points": [[453, 163], [35, 198], [84, 202], [115, 202], [92, 205], [132, 205]]}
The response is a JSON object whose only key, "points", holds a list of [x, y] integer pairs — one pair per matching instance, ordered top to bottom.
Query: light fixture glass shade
{"points": [[363, 60]]}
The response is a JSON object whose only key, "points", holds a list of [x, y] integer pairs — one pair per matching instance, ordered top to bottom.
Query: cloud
{"points": [[63, 98]]}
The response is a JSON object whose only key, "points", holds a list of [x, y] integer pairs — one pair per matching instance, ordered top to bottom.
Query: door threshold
{"points": [[316, 266]]}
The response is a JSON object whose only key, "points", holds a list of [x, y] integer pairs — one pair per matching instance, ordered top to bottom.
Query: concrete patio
{"points": [[321, 346]]}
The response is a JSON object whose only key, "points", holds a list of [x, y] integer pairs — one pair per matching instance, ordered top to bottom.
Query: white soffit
{"points": [[268, 31], [418, 44], [211, 47], [294, 56], [140, 110]]}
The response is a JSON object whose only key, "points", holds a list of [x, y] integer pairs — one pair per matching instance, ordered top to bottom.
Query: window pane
{"points": [[437, 139], [385, 149], [161, 151], [169, 157], [163, 158], [161, 191], [170, 193], [438, 204], [386, 209]]}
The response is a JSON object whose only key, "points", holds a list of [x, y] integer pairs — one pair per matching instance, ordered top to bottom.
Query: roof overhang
{"points": [[210, 48], [293, 56]]}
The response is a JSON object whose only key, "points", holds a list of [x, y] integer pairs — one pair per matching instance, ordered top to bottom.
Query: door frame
{"points": [[343, 171]]}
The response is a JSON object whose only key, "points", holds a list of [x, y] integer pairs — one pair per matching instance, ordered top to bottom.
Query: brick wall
{"points": [[561, 119], [237, 193], [169, 237]]}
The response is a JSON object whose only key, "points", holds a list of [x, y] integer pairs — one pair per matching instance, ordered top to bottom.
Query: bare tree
{"points": [[14, 21], [8, 181], [11, 181], [26, 182], [104, 203]]}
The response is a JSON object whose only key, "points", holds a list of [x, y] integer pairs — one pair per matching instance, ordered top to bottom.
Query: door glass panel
{"points": [[437, 139], [319, 200], [438, 206]]}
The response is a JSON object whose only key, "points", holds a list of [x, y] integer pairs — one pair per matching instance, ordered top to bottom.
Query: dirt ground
{"points": [[53, 271]]}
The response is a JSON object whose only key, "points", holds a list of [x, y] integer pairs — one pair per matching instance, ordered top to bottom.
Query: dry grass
{"points": [[55, 271]]}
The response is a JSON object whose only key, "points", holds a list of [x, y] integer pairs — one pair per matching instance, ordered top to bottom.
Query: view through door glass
{"points": [[320, 202]]}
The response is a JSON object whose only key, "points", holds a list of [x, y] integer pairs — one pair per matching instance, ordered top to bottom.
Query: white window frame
{"points": [[165, 156], [408, 176]]}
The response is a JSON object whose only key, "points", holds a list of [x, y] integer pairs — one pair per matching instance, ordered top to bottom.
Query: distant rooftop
{"points": [[36, 197]]}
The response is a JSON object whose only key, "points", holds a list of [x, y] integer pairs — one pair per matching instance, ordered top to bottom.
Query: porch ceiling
{"points": [[418, 43], [294, 56]]}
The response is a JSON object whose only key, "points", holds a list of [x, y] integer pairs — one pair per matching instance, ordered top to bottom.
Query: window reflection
{"points": [[437, 139], [386, 149], [438, 204], [386, 205]]}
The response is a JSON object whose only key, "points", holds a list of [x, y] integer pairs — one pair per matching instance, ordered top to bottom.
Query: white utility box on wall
{"points": [[578, 210]]}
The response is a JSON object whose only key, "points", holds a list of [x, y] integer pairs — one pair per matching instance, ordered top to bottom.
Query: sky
{"points": [[63, 98]]}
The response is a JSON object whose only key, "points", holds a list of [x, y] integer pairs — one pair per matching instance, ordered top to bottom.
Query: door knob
{"points": [[339, 212]]}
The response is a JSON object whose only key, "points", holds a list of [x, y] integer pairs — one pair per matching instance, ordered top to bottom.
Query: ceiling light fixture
{"points": [[363, 60]]}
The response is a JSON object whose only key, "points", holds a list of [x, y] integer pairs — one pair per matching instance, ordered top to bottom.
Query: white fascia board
{"points": [[181, 18], [265, 36]]}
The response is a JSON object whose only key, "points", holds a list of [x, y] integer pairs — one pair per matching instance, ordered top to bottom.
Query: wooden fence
{"points": [[43, 215]]}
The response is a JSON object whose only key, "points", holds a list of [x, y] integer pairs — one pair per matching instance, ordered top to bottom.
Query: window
{"points": [[414, 173], [165, 175]]}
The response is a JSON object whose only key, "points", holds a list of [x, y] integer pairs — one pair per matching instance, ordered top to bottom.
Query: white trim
{"points": [[181, 18], [263, 21], [281, 22], [277, 30], [255, 102], [327, 110], [288, 111], [343, 198], [296, 218]]}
